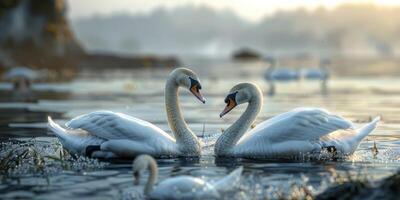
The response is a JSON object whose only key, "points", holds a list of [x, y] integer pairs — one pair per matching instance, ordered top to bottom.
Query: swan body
{"points": [[21, 72], [321, 73], [274, 74], [282, 74], [315, 74], [22, 79], [297, 132], [107, 134], [117, 134], [182, 187]]}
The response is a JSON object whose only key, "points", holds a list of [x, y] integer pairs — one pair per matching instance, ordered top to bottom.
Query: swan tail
{"points": [[56, 129], [367, 129], [75, 141], [230, 181]]}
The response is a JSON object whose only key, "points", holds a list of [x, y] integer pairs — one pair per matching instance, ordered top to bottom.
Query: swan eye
{"points": [[194, 83], [195, 89], [231, 97], [230, 101]]}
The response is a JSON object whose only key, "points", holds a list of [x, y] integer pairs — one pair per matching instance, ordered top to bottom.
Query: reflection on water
{"points": [[140, 93]]}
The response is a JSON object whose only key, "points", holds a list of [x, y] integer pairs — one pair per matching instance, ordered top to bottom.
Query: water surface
{"points": [[140, 93]]}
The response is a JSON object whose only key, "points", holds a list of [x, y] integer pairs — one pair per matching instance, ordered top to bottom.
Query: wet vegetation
{"points": [[31, 158]]}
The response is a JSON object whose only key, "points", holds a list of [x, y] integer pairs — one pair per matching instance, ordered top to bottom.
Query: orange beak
{"points": [[196, 92], [230, 104]]}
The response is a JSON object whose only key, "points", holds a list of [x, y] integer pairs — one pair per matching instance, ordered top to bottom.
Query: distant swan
{"points": [[281, 74], [321, 74], [22, 79], [300, 131], [109, 134], [181, 187]]}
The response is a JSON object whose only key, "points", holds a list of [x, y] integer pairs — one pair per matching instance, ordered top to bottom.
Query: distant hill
{"points": [[184, 30], [352, 30]]}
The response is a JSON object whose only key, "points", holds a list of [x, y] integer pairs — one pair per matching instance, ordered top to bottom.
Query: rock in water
{"points": [[36, 32]]}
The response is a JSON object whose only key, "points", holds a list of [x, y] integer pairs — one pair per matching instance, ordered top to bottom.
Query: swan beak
{"points": [[196, 92], [231, 104]]}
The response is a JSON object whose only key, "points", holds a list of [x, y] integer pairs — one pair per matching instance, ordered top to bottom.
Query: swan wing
{"points": [[300, 124], [114, 126], [229, 182]]}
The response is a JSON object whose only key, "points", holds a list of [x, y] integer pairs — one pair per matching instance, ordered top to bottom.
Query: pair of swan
{"points": [[274, 74], [303, 130], [181, 187]]}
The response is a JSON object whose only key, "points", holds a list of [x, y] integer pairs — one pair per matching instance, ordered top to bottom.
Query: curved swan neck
{"points": [[232, 135], [185, 138], [152, 166]]}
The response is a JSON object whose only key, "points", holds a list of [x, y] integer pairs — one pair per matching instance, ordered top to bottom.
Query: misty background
{"points": [[361, 30]]}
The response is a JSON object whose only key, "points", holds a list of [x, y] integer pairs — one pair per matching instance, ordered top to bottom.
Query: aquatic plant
{"points": [[33, 158], [388, 188]]}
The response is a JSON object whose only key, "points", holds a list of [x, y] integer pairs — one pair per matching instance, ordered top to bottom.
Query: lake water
{"points": [[140, 93]]}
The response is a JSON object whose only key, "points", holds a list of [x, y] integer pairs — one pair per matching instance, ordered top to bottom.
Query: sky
{"points": [[252, 10]]}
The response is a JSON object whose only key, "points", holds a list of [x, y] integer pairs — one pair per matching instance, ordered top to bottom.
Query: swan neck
{"points": [[232, 135], [187, 141], [152, 179]]}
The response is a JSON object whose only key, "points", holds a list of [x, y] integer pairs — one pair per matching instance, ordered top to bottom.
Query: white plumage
{"points": [[21, 72], [282, 74], [300, 131], [109, 134], [117, 134], [183, 187]]}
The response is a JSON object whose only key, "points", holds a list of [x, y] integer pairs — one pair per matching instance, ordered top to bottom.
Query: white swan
{"points": [[21, 72], [274, 74], [321, 74], [22, 79], [300, 131], [108, 134], [181, 187]]}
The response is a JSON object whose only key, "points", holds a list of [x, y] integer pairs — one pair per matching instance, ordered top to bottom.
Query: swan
{"points": [[21, 72], [282, 74], [321, 74], [22, 79], [297, 132], [106, 134], [181, 187]]}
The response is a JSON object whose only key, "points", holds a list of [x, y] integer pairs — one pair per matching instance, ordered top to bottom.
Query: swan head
{"points": [[188, 79], [239, 94], [140, 164]]}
